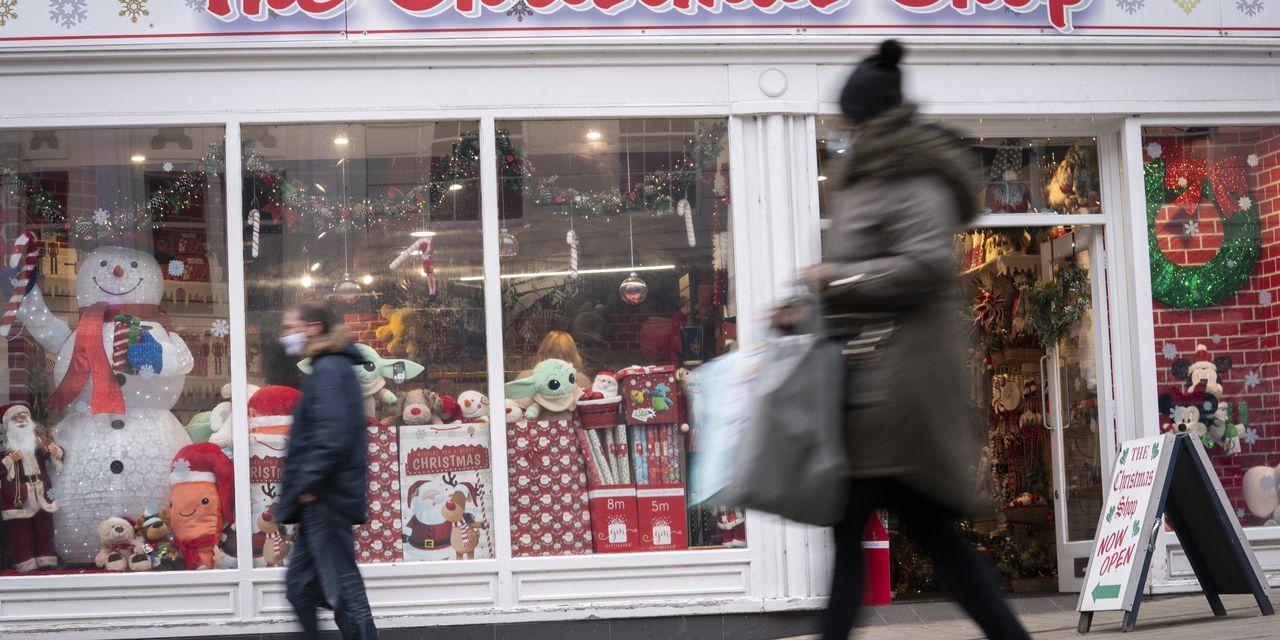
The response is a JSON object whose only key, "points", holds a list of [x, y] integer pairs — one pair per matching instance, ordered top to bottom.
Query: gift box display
{"points": [[650, 395], [657, 454], [446, 501], [549, 505], [614, 524], [378, 540]]}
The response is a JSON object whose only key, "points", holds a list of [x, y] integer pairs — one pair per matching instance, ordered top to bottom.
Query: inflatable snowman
{"points": [[118, 374]]}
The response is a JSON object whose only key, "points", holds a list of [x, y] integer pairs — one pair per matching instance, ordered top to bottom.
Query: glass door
{"points": [[1074, 370]]}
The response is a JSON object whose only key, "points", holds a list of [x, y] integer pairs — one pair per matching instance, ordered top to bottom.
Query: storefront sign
{"points": [[136, 22], [1166, 476]]}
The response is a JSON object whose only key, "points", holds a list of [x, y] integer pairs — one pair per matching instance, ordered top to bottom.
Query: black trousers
{"points": [[961, 571], [322, 572]]}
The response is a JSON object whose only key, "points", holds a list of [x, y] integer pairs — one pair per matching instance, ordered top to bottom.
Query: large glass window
{"points": [[1211, 196], [383, 223], [615, 280], [116, 327]]}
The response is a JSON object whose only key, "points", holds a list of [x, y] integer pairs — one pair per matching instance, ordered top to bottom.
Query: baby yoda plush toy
{"points": [[373, 374], [550, 393]]}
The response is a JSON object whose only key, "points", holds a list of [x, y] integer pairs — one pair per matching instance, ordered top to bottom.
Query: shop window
{"points": [[1212, 211], [382, 222], [616, 280], [116, 330], [1033, 358]]}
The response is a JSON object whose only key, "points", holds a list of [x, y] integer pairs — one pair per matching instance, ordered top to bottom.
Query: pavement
{"points": [[1168, 618]]}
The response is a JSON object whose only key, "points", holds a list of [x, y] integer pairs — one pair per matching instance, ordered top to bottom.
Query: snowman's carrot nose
{"points": [[118, 271]]}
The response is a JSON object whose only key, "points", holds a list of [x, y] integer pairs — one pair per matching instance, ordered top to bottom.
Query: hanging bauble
{"points": [[508, 245], [633, 290], [348, 291]]}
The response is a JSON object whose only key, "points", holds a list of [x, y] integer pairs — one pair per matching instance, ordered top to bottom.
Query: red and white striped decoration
{"points": [[685, 210], [255, 220], [572, 239], [415, 247], [428, 249], [26, 252]]}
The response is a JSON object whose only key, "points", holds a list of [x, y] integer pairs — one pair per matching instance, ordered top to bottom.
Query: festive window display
{"points": [[382, 222], [1212, 251], [616, 275], [112, 282]]}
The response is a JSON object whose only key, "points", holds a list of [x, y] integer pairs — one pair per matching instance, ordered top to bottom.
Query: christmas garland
{"points": [[1184, 181], [1059, 303]]}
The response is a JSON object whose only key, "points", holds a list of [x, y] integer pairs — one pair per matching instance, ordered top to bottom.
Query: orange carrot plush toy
{"points": [[201, 501]]}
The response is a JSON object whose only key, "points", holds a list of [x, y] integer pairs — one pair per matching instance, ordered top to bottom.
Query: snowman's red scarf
{"points": [[89, 362]]}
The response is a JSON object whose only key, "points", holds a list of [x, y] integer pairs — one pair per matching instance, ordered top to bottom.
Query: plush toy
{"points": [[1070, 190], [1006, 192], [401, 332], [1203, 368], [373, 374], [1203, 375], [606, 385], [551, 393], [117, 401], [475, 406], [421, 407], [450, 410], [513, 412], [1188, 412], [220, 418], [200, 426], [26, 491], [1262, 493], [202, 501], [731, 524], [157, 539], [276, 546], [118, 548]]}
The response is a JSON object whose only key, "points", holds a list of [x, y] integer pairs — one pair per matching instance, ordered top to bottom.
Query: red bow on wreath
{"points": [[1226, 178]]}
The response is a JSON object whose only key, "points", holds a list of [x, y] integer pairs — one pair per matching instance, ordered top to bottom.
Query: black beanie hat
{"points": [[875, 86]]}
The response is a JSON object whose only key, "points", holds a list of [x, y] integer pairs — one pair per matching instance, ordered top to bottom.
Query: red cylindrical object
{"points": [[875, 549]]}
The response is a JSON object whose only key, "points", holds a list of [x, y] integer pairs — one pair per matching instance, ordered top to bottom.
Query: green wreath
{"points": [[1203, 286], [1058, 304]]}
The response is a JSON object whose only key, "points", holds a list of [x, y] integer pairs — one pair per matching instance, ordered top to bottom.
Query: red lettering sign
{"points": [[258, 10], [1060, 11], [430, 460], [267, 470]]}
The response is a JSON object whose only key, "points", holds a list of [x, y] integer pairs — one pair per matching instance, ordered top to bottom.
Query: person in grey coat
{"points": [[904, 192]]}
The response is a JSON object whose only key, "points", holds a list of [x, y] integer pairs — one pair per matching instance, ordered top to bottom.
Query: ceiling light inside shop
{"points": [[594, 135], [342, 140], [138, 157], [821, 178], [455, 187], [423, 234], [315, 267], [546, 274], [367, 279], [306, 281]]}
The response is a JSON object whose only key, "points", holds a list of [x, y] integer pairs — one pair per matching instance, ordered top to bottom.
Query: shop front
{"points": [[537, 223]]}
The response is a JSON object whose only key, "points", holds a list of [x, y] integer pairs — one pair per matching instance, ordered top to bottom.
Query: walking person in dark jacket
{"points": [[906, 189], [323, 488]]}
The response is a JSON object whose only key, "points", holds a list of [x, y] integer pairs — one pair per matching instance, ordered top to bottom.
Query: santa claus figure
{"points": [[26, 503], [732, 528]]}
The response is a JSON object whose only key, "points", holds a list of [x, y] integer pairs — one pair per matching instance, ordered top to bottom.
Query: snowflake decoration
{"points": [[1131, 7], [1250, 8], [134, 9], [8, 11], [519, 11], [68, 13], [1154, 149], [1252, 160], [168, 166], [1182, 181], [1245, 203], [101, 217], [1190, 228], [1231, 262], [177, 268], [1264, 298], [220, 328], [1216, 338], [1170, 351], [147, 371], [1252, 379], [82, 407], [1250, 436], [181, 467], [1267, 483], [53, 493], [1240, 513]]}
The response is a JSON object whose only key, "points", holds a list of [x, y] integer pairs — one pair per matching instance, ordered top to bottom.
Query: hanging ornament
{"points": [[685, 211], [255, 220], [572, 239], [508, 245], [417, 246], [23, 260], [428, 269], [633, 290], [348, 291]]}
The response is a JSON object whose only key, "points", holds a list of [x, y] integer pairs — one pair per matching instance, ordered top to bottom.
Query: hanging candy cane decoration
{"points": [[686, 211], [255, 220], [572, 239], [416, 247], [428, 248], [26, 252]]}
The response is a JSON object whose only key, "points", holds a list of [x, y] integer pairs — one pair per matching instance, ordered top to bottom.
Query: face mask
{"points": [[293, 343]]}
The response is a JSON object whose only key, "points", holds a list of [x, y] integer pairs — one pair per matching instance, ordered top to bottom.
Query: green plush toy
{"points": [[374, 373], [553, 387], [200, 427]]}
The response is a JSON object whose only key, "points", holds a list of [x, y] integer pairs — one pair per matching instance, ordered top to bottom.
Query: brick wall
{"points": [[1245, 325]]}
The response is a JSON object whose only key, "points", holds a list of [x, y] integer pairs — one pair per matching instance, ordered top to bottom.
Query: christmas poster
{"points": [[446, 492]]}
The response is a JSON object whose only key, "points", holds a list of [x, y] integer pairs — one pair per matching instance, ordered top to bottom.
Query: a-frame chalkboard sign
{"points": [[1170, 477]]}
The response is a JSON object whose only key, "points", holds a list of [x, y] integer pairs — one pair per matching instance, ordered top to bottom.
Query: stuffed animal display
{"points": [[374, 372], [550, 393], [474, 406], [1196, 406], [201, 501], [157, 539], [275, 548], [119, 549]]}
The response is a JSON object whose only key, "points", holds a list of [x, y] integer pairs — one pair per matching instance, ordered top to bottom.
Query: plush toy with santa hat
{"points": [[270, 421], [26, 500], [201, 501]]}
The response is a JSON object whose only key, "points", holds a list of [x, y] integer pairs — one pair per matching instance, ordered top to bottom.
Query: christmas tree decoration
{"points": [[1178, 179], [633, 290]]}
